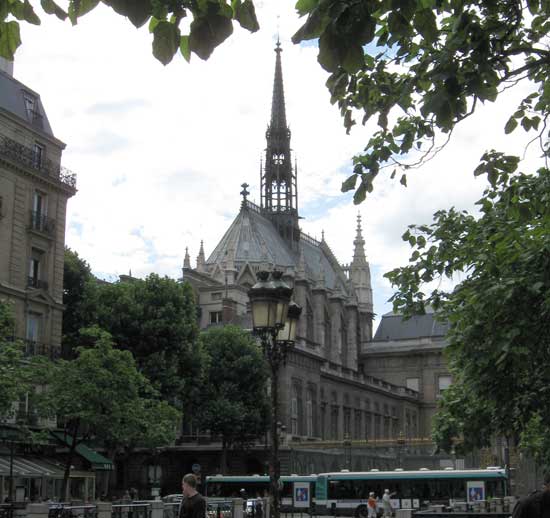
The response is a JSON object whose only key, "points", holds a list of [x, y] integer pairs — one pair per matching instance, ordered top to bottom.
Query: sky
{"points": [[160, 152]]}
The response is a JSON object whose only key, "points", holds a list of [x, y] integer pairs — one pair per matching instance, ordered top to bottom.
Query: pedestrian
{"points": [[386, 503], [537, 504], [193, 505], [371, 506]]}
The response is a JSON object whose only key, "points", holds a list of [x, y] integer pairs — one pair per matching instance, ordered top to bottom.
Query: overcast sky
{"points": [[161, 152]]}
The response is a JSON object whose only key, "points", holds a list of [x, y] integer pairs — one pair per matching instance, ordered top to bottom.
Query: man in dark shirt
{"points": [[193, 504], [537, 504]]}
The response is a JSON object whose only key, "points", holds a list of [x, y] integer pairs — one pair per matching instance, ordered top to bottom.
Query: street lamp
{"points": [[274, 321]]}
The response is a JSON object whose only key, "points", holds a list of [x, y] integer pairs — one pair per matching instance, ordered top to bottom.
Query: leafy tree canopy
{"points": [[210, 22], [422, 66], [79, 298], [499, 314], [156, 320], [13, 372], [103, 395], [234, 404]]}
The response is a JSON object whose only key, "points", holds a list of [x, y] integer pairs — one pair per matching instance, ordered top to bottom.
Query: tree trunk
{"points": [[67, 474]]}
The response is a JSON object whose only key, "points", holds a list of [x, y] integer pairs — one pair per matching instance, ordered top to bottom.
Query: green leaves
{"points": [[50, 7], [137, 11], [245, 14], [211, 25], [207, 33], [9, 39], [166, 41], [498, 311]]}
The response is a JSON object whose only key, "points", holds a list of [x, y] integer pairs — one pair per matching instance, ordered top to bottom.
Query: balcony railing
{"points": [[27, 157], [42, 223], [33, 282], [33, 348]]}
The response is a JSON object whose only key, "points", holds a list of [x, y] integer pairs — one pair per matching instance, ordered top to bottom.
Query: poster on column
{"points": [[476, 490], [301, 494]]}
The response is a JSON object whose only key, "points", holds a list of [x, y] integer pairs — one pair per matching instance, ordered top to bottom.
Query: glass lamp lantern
{"points": [[269, 301], [288, 332]]}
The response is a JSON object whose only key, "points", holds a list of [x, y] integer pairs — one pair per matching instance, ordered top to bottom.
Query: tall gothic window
{"points": [[328, 330], [310, 333], [294, 411], [309, 413], [334, 416]]}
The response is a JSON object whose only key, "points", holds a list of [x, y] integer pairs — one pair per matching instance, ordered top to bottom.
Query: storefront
{"points": [[35, 479]]}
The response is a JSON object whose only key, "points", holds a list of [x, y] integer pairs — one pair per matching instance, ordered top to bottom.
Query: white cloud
{"points": [[160, 152]]}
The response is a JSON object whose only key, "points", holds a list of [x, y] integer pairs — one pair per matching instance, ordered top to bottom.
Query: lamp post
{"points": [[274, 320], [400, 443], [347, 450]]}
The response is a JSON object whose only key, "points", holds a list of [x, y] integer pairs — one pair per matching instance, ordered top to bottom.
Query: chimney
{"points": [[6, 66]]}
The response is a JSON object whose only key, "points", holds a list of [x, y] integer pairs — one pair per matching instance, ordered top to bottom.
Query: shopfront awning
{"points": [[97, 461], [29, 467]]}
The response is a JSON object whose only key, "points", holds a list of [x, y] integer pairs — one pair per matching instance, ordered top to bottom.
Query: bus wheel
{"points": [[361, 512]]}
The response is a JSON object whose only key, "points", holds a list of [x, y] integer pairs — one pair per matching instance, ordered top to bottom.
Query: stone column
{"points": [[351, 353]]}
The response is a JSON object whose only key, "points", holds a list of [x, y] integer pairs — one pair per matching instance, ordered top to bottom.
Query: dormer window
{"points": [[30, 103]]}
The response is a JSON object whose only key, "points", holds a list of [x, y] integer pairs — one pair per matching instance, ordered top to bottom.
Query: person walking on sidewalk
{"points": [[193, 504], [537, 504]]}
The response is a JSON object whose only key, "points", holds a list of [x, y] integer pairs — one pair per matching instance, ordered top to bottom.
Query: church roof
{"points": [[12, 99], [252, 238], [394, 327]]}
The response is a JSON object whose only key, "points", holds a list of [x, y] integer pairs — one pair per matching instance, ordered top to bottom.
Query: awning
{"points": [[98, 461], [29, 467]]}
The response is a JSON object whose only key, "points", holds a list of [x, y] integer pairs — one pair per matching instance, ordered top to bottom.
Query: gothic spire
{"points": [[278, 112], [279, 193], [359, 243]]}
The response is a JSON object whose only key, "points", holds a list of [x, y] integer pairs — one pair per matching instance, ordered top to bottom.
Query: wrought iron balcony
{"points": [[27, 157], [42, 223], [34, 282], [33, 348]]}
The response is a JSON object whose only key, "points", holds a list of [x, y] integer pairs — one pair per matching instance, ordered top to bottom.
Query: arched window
{"points": [[309, 322]]}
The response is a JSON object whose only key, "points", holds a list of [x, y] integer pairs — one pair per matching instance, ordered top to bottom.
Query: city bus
{"points": [[297, 493], [346, 493]]}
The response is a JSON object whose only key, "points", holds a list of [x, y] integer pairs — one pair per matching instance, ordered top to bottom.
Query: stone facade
{"points": [[34, 190], [332, 391]]}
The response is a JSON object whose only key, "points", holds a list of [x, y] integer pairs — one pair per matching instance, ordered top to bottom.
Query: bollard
{"points": [[238, 508], [104, 509], [157, 509], [37, 510]]}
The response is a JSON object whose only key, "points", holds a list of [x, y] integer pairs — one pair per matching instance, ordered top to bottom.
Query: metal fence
{"points": [[131, 510], [6, 511], [72, 511]]}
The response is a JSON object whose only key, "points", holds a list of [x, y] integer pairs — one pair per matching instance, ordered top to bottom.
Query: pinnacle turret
{"points": [[359, 256], [187, 259], [201, 261]]}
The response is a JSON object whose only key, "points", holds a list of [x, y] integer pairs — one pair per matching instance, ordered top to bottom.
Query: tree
{"points": [[212, 22], [423, 66], [79, 299], [499, 314], [156, 320], [13, 372], [102, 395], [234, 403]]}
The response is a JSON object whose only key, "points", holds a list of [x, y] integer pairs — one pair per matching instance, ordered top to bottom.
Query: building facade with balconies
{"points": [[34, 189]]}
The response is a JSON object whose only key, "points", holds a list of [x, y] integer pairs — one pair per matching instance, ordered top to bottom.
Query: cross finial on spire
{"points": [[245, 192], [358, 221]]}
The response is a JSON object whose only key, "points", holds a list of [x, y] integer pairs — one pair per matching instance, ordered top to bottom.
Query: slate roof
{"points": [[13, 101], [254, 239], [394, 327]]}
